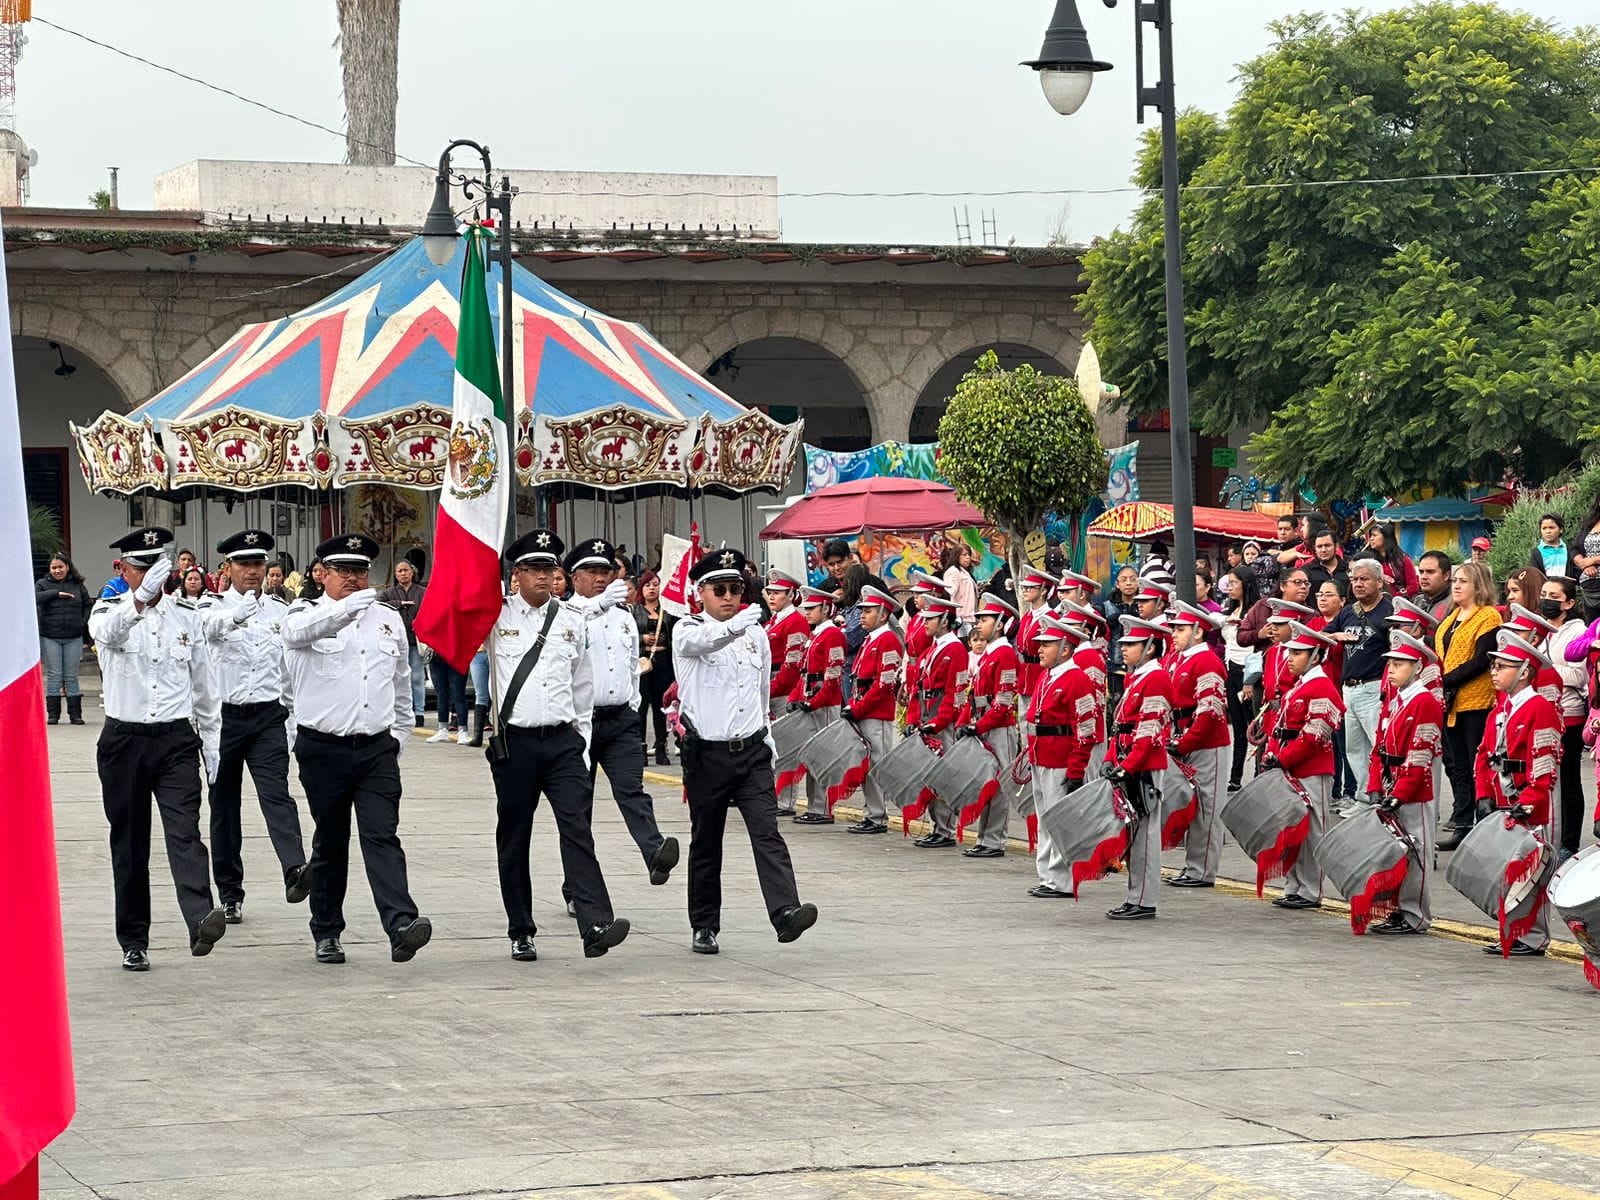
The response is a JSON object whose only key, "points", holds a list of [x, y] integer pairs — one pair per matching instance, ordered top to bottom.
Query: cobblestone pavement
{"points": [[936, 1015]]}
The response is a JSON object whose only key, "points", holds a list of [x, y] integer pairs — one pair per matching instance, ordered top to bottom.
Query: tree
{"points": [[369, 55], [100, 199], [1386, 335], [1018, 445]]}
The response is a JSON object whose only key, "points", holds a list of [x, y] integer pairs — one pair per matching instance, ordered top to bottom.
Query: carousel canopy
{"points": [[356, 389]]}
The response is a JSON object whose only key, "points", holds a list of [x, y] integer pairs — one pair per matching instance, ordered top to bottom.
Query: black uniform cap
{"points": [[246, 544], [142, 547], [536, 548], [348, 550], [596, 552], [718, 564]]}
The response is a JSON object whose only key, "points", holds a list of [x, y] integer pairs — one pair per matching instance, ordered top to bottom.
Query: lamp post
{"points": [[1066, 69], [439, 238]]}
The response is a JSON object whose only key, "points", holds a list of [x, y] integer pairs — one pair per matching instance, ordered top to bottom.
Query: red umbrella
{"points": [[877, 505]]}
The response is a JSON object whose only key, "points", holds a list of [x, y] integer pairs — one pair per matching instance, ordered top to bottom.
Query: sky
{"points": [[829, 95]]}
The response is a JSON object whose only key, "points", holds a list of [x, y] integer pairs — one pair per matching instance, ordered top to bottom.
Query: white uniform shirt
{"points": [[613, 653], [248, 657], [155, 665], [348, 676], [723, 677], [558, 690]]}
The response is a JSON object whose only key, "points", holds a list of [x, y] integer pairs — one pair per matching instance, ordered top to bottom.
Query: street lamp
{"points": [[1066, 69], [439, 238]]}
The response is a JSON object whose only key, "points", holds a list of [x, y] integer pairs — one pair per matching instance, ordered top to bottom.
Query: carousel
{"points": [[337, 417]]}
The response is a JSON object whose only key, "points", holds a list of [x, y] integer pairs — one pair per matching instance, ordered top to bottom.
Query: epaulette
{"points": [[105, 600], [274, 600], [182, 603], [386, 604], [301, 605], [697, 619]]}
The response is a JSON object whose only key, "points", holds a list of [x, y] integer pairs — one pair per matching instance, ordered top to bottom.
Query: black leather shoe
{"points": [[661, 757], [812, 818], [866, 827], [1450, 840], [934, 841], [983, 852], [661, 864], [1189, 881], [297, 883], [1043, 891], [1296, 902], [232, 911], [1131, 912], [795, 920], [1394, 923], [207, 933], [409, 938], [601, 938], [705, 942], [522, 949], [1518, 950], [329, 951], [135, 960]]}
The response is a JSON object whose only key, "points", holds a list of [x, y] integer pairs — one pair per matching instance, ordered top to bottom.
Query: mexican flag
{"points": [[464, 593], [36, 1089]]}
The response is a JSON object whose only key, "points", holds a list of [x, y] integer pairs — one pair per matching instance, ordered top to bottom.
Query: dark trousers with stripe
{"points": [[253, 735], [615, 747], [137, 762], [717, 777]]}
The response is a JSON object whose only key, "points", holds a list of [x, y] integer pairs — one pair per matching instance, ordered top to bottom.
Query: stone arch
{"points": [[96, 341], [791, 377], [941, 384]]}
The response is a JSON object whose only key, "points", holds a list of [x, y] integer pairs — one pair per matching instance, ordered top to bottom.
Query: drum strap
{"points": [[1053, 731]]}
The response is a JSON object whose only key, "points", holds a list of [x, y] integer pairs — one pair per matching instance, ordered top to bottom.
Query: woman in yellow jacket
{"points": [[1464, 641]]}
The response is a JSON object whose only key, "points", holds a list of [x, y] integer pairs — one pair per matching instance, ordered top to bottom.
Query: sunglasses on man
{"points": [[723, 590]]}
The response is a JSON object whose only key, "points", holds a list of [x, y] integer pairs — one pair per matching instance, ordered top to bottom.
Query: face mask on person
{"points": [[1550, 610]]}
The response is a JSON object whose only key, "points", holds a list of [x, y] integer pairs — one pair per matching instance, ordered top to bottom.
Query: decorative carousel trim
{"points": [[407, 448], [612, 448], [247, 451], [118, 455]]}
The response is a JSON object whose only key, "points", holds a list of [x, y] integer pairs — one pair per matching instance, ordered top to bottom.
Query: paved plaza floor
{"points": [[938, 1033]]}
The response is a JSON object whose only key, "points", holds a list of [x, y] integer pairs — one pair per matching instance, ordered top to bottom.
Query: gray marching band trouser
{"points": [[777, 706], [880, 739], [1439, 784], [1049, 785], [816, 794], [940, 811], [997, 813], [1418, 821], [1203, 844], [1144, 850], [1306, 878], [1539, 936]]}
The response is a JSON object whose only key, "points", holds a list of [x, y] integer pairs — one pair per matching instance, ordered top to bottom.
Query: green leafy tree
{"points": [[1386, 335], [1018, 445]]}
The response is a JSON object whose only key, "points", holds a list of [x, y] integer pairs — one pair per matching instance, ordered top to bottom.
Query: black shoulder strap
{"points": [[508, 702]]}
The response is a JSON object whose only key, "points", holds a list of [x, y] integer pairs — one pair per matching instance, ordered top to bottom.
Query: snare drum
{"points": [[790, 733], [836, 758], [902, 773], [966, 778], [1180, 804], [1270, 819], [1088, 828], [1366, 859], [1501, 866], [1575, 893]]}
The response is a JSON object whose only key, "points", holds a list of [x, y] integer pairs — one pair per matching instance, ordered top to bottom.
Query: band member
{"points": [[1073, 588], [1037, 590], [1151, 601], [1416, 621], [1534, 629], [245, 630], [787, 635], [919, 641], [1089, 656], [723, 664], [349, 669], [875, 678], [1276, 679], [544, 680], [820, 689], [941, 691], [990, 713], [162, 722], [1066, 724], [1200, 725], [613, 732], [1409, 743], [1302, 744], [1138, 756], [1517, 765]]}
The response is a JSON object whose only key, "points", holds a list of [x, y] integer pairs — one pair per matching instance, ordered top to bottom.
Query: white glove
{"points": [[155, 579], [616, 593], [358, 602], [247, 608], [746, 618], [425, 652], [401, 737], [211, 756]]}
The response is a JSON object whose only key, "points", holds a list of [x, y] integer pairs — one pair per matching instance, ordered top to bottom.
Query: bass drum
{"points": [[1271, 821], [1365, 858], [1500, 866], [1575, 893]]}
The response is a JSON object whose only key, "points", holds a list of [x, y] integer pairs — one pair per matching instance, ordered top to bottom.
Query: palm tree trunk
{"points": [[369, 54]]}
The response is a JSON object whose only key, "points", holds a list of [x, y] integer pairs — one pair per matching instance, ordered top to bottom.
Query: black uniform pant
{"points": [[653, 687], [252, 734], [1461, 742], [614, 744], [1572, 757], [548, 761], [135, 762], [359, 774], [717, 777]]}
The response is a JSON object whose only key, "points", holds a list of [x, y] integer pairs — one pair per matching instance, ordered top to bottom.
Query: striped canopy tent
{"points": [[356, 389], [1144, 521]]}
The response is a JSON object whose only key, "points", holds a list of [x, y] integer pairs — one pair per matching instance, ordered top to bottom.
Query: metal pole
{"points": [[1177, 342], [508, 369]]}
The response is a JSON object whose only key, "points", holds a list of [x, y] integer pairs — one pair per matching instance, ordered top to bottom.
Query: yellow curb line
{"points": [[1459, 931]]}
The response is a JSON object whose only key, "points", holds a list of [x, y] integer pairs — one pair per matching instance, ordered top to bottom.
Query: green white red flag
{"points": [[464, 593]]}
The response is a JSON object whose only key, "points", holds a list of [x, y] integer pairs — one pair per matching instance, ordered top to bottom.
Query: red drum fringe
{"points": [[854, 777], [789, 778], [913, 811], [971, 812], [1177, 826], [1033, 833], [1278, 859], [1099, 861], [1377, 898], [1511, 930], [1591, 971]]}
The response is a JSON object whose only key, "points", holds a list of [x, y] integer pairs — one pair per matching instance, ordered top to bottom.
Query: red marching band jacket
{"points": [[787, 635], [919, 644], [1028, 650], [876, 676], [822, 684], [1275, 684], [943, 685], [1200, 700], [992, 702], [1312, 711], [1067, 719], [1144, 721], [1410, 739], [1521, 767]]}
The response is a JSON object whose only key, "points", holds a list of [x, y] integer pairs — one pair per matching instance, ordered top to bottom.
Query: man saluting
{"points": [[723, 664]]}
